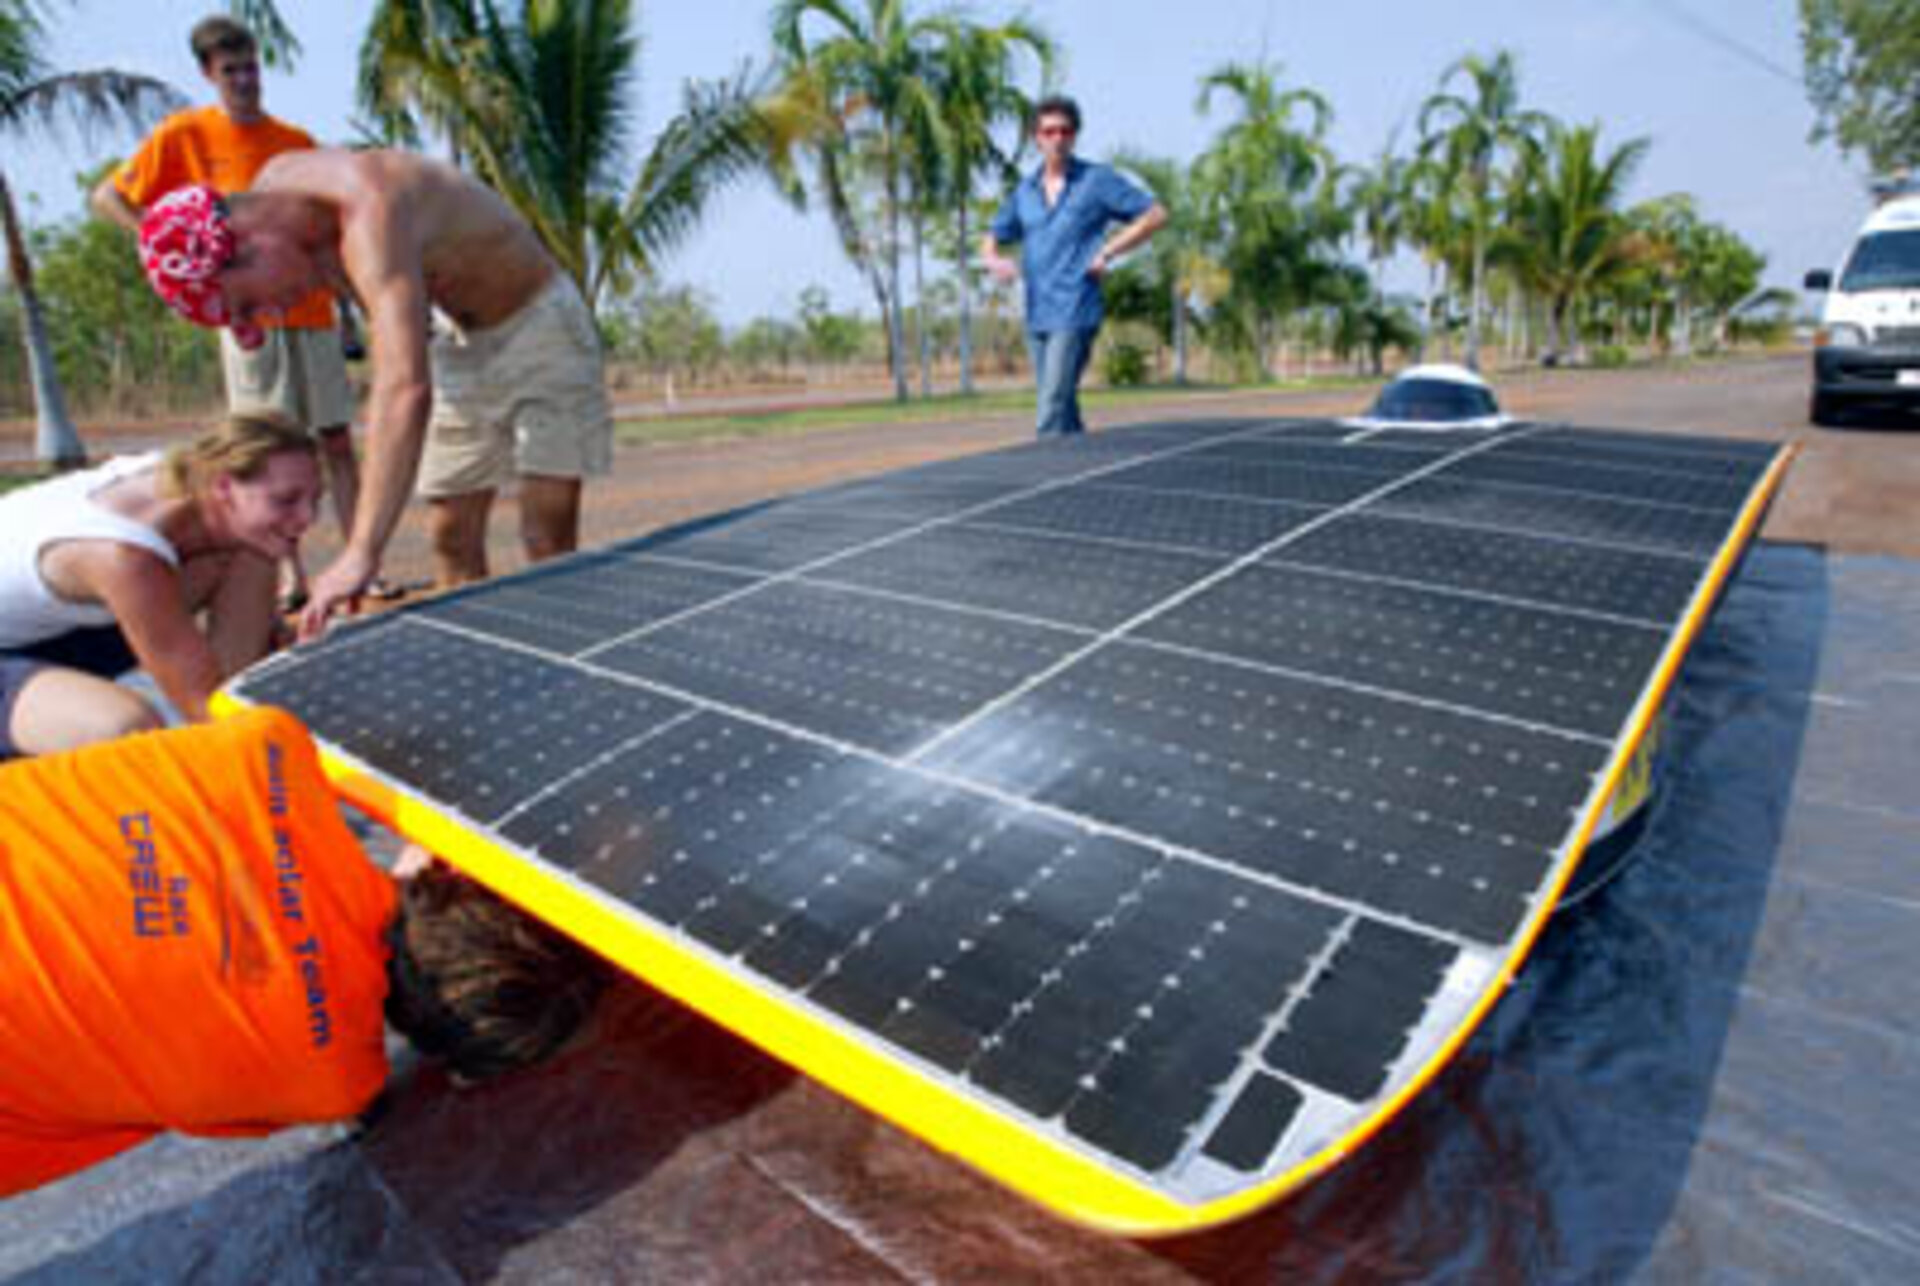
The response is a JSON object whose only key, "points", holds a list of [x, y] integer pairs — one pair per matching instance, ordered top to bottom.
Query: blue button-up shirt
{"points": [[1058, 242]]}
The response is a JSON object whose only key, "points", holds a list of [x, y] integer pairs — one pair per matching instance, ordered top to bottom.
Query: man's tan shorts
{"points": [[300, 374], [528, 396]]}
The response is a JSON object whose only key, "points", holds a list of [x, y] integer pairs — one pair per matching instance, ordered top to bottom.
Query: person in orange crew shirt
{"points": [[299, 370], [193, 940]]}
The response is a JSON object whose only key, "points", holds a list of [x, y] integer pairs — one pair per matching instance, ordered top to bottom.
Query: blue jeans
{"points": [[1059, 357]]}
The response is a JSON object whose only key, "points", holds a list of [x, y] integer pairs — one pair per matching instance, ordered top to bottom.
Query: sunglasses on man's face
{"points": [[1056, 131]]}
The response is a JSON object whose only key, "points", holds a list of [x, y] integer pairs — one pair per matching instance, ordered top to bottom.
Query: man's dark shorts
{"points": [[101, 650]]}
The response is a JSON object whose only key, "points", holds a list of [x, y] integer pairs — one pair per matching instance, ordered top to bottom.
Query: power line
{"points": [[1673, 12]]}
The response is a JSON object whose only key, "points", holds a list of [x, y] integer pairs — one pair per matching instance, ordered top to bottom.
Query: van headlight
{"points": [[1840, 335]]}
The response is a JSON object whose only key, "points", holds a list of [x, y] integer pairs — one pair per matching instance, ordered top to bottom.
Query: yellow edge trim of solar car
{"points": [[1039, 1168]]}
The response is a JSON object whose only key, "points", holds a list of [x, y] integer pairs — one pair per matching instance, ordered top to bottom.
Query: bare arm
{"points": [[109, 204], [1130, 235], [380, 252], [1003, 268], [148, 601]]}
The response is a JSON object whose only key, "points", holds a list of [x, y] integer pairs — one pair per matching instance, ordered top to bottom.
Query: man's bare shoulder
{"points": [[318, 171], [344, 176]]}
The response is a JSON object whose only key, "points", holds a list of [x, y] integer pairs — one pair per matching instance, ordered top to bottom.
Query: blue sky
{"points": [[1713, 84]]}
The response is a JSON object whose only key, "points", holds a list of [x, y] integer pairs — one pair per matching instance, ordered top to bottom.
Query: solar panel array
{"points": [[1174, 792]]}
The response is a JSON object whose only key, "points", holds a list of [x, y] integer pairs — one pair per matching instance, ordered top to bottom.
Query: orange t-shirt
{"points": [[204, 145], [190, 939]]}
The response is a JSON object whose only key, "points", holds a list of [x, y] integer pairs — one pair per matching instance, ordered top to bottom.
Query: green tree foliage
{"points": [[1862, 62], [872, 68], [978, 75], [32, 93], [536, 94], [1477, 134], [1268, 191], [1567, 234], [1178, 263], [672, 329], [831, 337], [114, 343], [767, 344]]}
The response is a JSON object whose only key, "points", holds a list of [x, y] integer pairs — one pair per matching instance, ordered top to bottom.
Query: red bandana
{"points": [[185, 240]]}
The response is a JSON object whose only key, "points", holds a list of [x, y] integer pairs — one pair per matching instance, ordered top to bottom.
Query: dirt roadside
{"points": [[1855, 490]]}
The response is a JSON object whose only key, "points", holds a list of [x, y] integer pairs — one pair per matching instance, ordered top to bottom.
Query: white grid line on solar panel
{"points": [[1342, 429], [1365, 436], [1759, 450], [1665, 463], [1332, 471], [1669, 505], [1413, 518], [1572, 538], [1117, 542], [763, 580], [1192, 590], [1451, 591], [1476, 595], [902, 596], [498, 606], [1247, 663], [1367, 689], [907, 764], [566, 779], [443, 807], [1046, 979], [1253, 1057], [1250, 1061]]}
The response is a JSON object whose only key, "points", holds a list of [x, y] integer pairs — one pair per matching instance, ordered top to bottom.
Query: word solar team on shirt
{"points": [[288, 882]]}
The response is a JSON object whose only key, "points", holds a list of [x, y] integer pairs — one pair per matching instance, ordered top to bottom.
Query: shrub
{"points": [[1124, 364]]}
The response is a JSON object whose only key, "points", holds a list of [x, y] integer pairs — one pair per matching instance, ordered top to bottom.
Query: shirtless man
{"points": [[510, 387]]}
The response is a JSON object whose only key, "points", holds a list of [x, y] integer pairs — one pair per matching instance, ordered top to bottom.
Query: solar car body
{"points": [[1438, 395], [1144, 819]]}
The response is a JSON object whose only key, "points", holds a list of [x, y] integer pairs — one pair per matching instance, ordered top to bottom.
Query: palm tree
{"points": [[976, 71], [875, 72], [31, 93], [536, 100], [1472, 133], [1269, 191], [1382, 203], [1568, 224], [1665, 231], [1177, 255], [1724, 272]]}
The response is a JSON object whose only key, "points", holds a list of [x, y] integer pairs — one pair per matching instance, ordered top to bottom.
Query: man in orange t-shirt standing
{"points": [[298, 369]]}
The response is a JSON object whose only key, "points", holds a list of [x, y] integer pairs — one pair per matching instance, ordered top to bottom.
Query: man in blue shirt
{"points": [[1060, 215]]}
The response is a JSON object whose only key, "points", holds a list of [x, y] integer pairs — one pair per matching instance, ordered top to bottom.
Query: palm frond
{"points": [[90, 101], [719, 135]]}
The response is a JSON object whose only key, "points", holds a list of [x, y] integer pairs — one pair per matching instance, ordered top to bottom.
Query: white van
{"points": [[1868, 346]]}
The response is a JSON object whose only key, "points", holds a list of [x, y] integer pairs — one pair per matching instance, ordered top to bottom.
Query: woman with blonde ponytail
{"points": [[166, 563]]}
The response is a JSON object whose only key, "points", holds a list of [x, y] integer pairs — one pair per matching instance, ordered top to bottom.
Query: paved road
{"points": [[1855, 490]]}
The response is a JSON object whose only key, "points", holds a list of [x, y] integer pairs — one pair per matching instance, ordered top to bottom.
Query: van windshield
{"points": [[1885, 261]]}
